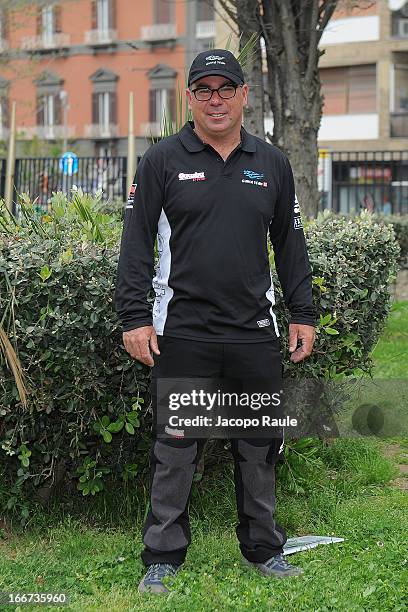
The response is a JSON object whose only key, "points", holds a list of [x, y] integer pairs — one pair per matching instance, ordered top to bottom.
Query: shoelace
{"points": [[280, 560], [157, 571]]}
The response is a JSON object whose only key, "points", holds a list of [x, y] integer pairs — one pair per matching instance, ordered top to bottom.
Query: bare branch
{"points": [[226, 6], [327, 9], [287, 23], [271, 31], [312, 58]]}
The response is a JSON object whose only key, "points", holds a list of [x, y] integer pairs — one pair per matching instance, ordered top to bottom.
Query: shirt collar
{"points": [[193, 144]]}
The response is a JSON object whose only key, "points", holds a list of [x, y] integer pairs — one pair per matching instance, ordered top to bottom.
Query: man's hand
{"points": [[304, 333], [140, 342]]}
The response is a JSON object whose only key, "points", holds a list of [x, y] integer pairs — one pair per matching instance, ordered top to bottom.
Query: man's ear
{"points": [[245, 90], [188, 96]]}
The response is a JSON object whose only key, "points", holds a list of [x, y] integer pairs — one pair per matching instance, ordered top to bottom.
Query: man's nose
{"points": [[215, 99]]}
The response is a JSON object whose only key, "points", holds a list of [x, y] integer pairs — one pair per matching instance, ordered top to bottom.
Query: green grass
{"points": [[390, 354], [387, 389], [90, 549], [96, 561], [100, 568]]}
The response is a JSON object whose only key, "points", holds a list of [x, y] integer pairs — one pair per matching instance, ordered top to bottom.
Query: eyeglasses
{"points": [[203, 94]]}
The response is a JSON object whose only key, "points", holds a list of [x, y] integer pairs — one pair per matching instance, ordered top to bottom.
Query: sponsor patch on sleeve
{"points": [[131, 195], [297, 221]]}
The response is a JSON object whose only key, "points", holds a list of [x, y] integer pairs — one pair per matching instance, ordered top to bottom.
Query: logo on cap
{"points": [[214, 57]]}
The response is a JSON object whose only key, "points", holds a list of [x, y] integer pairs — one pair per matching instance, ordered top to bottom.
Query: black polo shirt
{"points": [[212, 219]]}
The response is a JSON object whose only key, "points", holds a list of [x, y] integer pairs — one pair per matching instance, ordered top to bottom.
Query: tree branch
{"points": [[225, 5], [326, 11], [289, 37], [312, 57]]}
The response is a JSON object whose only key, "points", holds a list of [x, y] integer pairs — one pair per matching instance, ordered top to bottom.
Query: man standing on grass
{"points": [[211, 194]]}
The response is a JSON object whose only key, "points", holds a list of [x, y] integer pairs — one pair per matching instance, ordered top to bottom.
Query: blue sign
{"points": [[68, 163]]}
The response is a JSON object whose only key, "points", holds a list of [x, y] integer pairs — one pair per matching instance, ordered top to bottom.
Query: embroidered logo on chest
{"points": [[195, 176], [254, 178]]}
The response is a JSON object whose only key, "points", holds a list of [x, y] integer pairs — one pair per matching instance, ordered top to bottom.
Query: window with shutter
{"points": [[205, 10], [163, 11], [112, 14], [94, 15], [103, 15], [57, 19], [39, 21], [47, 23], [362, 89], [334, 90], [349, 90], [162, 101], [172, 104], [152, 105], [112, 107], [4, 108], [95, 108], [41, 110], [57, 118]]}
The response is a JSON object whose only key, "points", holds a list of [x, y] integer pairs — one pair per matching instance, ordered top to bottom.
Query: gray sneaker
{"points": [[275, 566], [152, 581]]}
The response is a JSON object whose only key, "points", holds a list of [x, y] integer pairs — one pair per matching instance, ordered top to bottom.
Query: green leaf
{"points": [[66, 256], [45, 273], [325, 320], [331, 331], [133, 418], [116, 426], [130, 429], [107, 436]]}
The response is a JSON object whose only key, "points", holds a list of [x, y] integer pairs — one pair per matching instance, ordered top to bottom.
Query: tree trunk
{"points": [[291, 30], [297, 114]]}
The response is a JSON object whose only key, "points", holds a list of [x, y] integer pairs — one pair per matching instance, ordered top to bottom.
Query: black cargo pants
{"points": [[166, 534]]}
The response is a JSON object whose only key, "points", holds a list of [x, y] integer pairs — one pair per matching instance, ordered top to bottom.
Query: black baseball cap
{"points": [[216, 62]]}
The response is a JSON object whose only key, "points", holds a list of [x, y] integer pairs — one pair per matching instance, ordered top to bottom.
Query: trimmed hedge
{"points": [[400, 225], [85, 418]]}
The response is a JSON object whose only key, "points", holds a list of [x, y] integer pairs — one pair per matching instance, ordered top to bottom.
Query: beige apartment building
{"points": [[364, 130]]}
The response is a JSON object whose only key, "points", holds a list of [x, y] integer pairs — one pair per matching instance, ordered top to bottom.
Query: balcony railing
{"points": [[205, 29], [158, 32], [100, 37], [56, 41], [399, 124], [151, 128], [94, 130], [48, 132]]}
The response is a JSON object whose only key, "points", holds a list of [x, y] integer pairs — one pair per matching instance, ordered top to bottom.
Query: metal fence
{"points": [[40, 177], [348, 180], [374, 180]]}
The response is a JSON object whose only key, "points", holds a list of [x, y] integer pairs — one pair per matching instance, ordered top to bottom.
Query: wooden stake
{"points": [[131, 157], [11, 160]]}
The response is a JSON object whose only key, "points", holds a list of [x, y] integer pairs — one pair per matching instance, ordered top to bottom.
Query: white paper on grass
{"points": [[294, 545]]}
